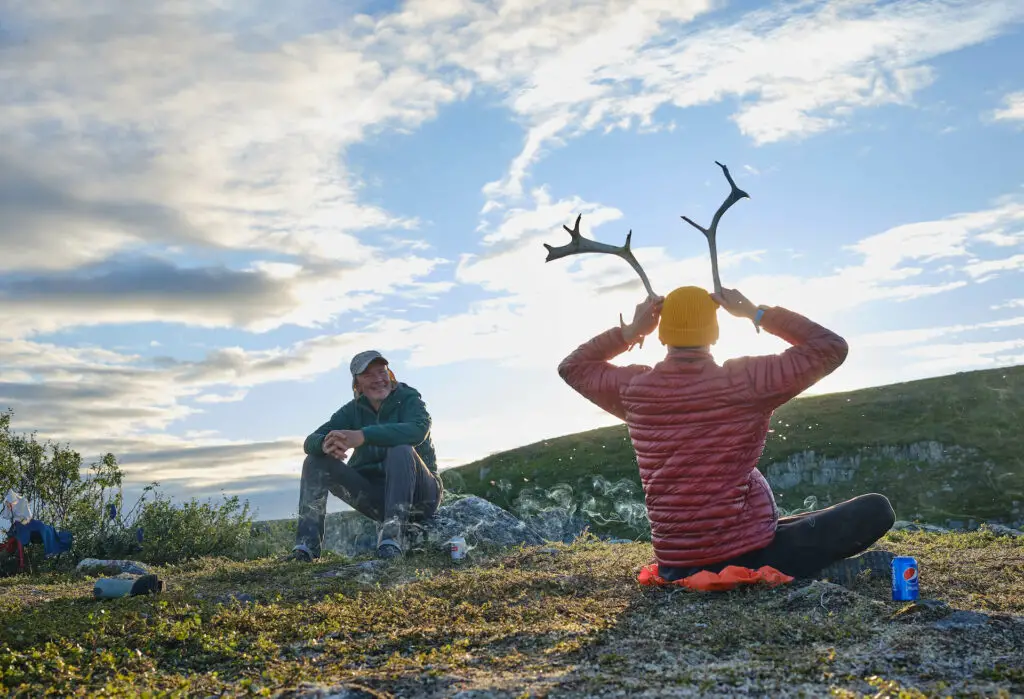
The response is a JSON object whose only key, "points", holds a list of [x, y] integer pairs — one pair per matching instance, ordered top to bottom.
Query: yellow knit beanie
{"points": [[689, 318]]}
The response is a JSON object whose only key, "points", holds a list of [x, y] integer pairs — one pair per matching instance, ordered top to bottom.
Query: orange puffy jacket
{"points": [[698, 430]]}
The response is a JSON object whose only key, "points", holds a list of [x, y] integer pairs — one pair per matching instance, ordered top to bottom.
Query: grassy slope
{"points": [[981, 410], [566, 621]]}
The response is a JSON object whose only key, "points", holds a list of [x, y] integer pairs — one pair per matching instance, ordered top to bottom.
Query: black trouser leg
{"points": [[323, 474], [411, 491], [807, 543]]}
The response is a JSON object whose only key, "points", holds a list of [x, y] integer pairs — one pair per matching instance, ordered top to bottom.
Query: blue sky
{"points": [[207, 210]]}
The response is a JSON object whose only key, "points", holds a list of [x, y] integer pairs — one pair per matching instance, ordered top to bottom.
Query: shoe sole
{"points": [[846, 571]]}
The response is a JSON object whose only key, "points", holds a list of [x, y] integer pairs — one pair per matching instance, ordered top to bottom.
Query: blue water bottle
{"points": [[904, 579]]}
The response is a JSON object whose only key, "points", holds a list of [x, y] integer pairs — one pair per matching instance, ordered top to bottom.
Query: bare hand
{"points": [[735, 303], [645, 318], [349, 439], [336, 444], [336, 451]]}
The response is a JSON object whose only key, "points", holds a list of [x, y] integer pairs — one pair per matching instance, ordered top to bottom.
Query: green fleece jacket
{"points": [[402, 419]]}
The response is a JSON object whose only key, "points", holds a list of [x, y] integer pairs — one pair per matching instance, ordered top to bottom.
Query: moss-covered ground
{"points": [[562, 620]]}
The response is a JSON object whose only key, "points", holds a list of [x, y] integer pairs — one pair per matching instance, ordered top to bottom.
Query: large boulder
{"points": [[481, 522]]}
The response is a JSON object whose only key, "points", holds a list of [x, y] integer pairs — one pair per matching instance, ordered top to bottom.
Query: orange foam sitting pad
{"points": [[706, 581]]}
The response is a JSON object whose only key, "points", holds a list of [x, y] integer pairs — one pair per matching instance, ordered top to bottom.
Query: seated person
{"points": [[699, 428], [391, 476]]}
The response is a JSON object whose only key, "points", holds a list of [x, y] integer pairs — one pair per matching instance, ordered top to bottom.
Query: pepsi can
{"points": [[904, 579]]}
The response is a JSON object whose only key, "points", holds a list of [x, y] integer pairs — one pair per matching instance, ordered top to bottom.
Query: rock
{"points": [[481, 523], [556, 524], [902, 525], [1003, 530], [350, 534], [110, 566], [355, 569], [240, 597], [922, 611], [962, 620], [309, 690]]}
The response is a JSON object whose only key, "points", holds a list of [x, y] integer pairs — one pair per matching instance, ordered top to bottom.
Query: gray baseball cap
{"points": [[363, 359]]}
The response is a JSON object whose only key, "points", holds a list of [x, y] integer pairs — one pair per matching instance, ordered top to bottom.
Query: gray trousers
{"points": [[405, 491]]}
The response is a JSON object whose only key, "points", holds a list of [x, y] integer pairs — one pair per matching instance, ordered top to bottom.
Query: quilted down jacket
{"points": [[699, 428]]}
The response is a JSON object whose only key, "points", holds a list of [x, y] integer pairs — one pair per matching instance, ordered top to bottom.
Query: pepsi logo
{"points": [[910, 574]]}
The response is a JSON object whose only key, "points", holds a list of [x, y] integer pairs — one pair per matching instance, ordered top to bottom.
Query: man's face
{"points": [[375, 383]]}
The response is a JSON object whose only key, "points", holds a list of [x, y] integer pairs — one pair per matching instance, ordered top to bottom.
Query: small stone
{"points": [[1002, 530], [112, 566], [363, 568], [229, 597], [923, 610], [962, 620], [340, 691]]}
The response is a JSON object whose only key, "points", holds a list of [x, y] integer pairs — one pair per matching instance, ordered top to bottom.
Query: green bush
{"points": [[69, 497], [173, 533]]}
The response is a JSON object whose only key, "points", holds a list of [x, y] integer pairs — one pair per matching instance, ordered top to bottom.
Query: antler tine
{"points": [[711, 233], [578, 244]]}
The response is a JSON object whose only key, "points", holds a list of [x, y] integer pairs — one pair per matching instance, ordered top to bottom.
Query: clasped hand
{"points": [[338, 442]]}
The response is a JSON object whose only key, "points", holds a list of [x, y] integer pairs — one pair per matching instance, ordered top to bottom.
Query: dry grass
{"points": [[558, 621]]}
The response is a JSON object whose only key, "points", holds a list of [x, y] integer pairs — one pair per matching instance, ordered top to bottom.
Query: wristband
{"points": [[757, 319]]}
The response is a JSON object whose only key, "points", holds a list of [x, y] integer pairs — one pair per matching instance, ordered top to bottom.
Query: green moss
{"points": [[573, 623]]}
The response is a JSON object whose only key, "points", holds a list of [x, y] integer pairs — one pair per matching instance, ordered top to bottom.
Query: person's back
{"points": [[698, 428], [698, 431]]}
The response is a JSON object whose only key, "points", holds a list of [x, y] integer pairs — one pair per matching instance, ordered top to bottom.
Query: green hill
{"points": [[945, 450]]}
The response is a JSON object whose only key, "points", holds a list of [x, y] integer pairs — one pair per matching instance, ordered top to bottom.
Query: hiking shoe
{"points": [[389, 548], [300, 555], [845, 572]]}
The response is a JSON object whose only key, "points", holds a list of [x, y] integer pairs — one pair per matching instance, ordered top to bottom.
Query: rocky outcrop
{"points": [[809, 468], [947, 485], [482, 523]]}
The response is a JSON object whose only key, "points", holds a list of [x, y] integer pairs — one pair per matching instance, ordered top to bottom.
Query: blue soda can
{"points": [[904, 579]]}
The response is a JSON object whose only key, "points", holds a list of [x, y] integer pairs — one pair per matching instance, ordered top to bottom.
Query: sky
{"points": [[206, 208]]}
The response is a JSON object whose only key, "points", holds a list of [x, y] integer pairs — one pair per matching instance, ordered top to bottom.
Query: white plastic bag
{"points": [[16, 508]]}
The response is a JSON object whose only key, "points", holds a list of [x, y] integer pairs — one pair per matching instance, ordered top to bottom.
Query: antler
{"points": [[710, 233], [578, 244]]}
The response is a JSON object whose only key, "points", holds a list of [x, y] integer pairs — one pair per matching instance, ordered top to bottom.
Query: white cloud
{"points": [[795, 68], [1013, 109], [159, 129], [586, 292], [259, 297], [67, 392]]}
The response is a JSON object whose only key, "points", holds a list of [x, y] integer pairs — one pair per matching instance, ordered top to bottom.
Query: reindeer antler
{"points": [[710, 233], [578, 245]]}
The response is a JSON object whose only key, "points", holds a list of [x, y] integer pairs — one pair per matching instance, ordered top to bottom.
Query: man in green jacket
{"points": [[391, 476]]}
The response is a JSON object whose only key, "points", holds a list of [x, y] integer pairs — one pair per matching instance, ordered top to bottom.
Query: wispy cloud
{"points": [[793, 69], [1012, 109], [146, 126], [904, 263], [258, 297], [67, 391]]}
